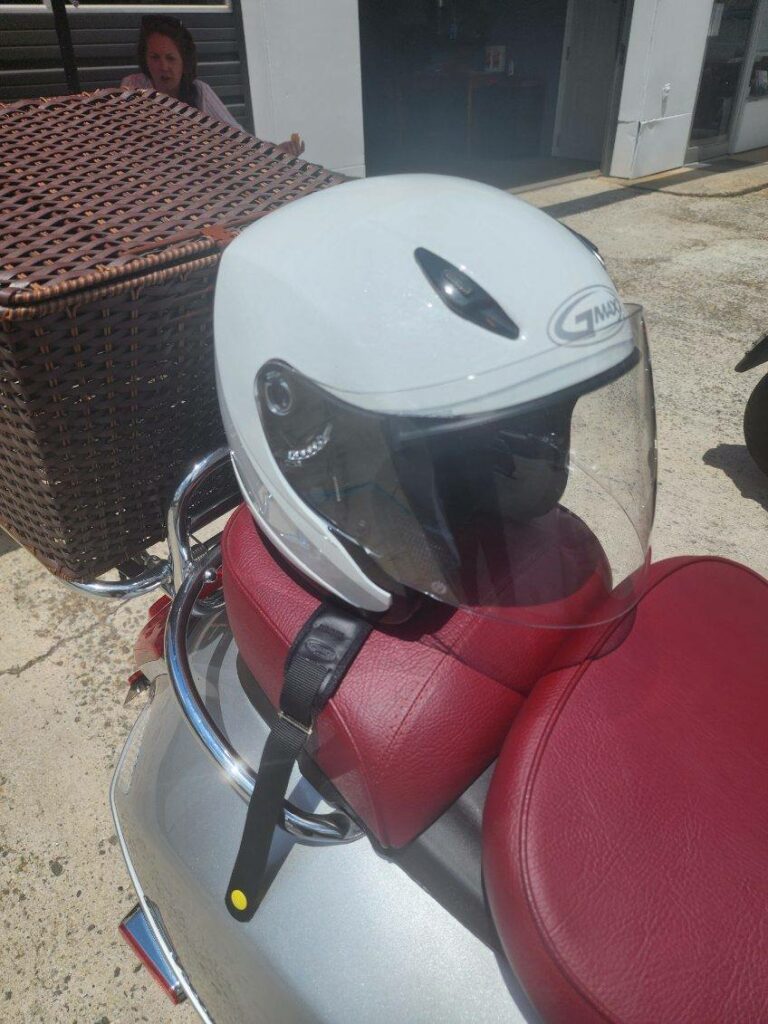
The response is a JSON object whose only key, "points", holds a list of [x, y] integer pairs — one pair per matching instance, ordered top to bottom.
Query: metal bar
{"points": [[65, 44], [243, 57], [178, 536], [154, 576]]}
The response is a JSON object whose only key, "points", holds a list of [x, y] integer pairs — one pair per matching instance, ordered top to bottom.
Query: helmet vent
{"points": [[464, 296]]}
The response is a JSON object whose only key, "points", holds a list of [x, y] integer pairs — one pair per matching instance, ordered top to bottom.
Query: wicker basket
{"points": [[115, 207]]}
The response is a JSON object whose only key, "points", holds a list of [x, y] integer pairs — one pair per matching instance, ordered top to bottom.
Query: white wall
{"points": [[304, 69], [661, 81], [752, 130]]}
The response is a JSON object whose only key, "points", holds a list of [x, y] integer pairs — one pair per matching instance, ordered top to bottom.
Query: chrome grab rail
{"points": [[179, 550], [167, 573], [183, 575], [154, 576], [319, 829]]}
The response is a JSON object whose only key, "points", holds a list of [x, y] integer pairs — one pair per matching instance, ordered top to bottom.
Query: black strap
{"points": [[315, 665]]}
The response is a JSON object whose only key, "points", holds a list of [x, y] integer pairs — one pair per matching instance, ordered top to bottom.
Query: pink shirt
{"points": [[208, 102]]}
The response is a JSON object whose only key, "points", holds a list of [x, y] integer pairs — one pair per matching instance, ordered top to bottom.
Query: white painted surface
{"points": [[304, 69], [661, 82], [752, 132], [652, 146]]}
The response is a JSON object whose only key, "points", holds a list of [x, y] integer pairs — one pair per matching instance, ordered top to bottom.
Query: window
{"points": [[758, 80]]}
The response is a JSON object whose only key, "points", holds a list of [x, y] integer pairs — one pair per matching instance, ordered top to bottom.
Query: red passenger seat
{"points": [[426, 706], [626, 828]]}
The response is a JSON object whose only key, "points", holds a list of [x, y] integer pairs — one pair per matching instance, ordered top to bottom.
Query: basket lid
{"points": [[107, 186]]}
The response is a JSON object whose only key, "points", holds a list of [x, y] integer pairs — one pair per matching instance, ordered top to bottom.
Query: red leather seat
{"points": [[425, 707], [626, 829]]}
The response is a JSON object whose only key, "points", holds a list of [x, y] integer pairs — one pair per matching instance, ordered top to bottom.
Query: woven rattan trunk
{"points": [[114, 208]]}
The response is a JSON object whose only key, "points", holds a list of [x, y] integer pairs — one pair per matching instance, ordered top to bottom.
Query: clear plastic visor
{"points": [[540, 514]]}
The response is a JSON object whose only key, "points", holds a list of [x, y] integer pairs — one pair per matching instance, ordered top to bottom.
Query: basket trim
{"points": [[217, 176], [92, 293]]}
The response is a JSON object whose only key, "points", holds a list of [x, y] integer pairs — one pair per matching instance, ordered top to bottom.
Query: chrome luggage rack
{"points": [[182, 576]]}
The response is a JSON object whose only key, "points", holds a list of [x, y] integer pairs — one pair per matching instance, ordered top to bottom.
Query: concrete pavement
{"points": [[697, 264]]}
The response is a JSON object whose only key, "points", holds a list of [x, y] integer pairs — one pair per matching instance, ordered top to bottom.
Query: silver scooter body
{"points": [[343, 936]]}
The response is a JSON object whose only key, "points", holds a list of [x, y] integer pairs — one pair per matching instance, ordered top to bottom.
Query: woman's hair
{"points": [[173, 29]]}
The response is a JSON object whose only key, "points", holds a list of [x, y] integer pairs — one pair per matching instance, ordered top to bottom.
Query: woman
{"points": [[168, 62]]}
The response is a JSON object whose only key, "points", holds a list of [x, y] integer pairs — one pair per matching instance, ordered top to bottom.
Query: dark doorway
{"points": [[727, 40], [467, 87]]}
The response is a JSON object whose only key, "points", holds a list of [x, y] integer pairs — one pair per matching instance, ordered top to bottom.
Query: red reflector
{"points": [[160, 605], [174, 992]]}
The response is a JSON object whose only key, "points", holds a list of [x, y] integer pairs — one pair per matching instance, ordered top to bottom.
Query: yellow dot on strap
{"points": [[239, 899]]}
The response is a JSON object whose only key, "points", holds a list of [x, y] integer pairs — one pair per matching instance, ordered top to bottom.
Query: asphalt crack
{"points": [[17, 670]]}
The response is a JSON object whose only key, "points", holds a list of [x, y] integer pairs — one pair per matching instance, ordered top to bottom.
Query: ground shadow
{"points": [[584, 204], [735, 460], [7, 543]]}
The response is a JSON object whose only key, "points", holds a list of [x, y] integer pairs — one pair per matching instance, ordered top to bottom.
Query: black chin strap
{"points": [[315, 665]]}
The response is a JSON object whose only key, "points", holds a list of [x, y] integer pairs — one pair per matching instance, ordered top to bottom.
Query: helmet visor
{"points": [[538, 513]]}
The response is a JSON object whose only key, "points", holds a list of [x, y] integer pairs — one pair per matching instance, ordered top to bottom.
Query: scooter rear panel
{"points": [[346, 937]]}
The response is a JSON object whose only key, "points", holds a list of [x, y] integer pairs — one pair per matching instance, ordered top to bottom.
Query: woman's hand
{"points": [[293, 147]]}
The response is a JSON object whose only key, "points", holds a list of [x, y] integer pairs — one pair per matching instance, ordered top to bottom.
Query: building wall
{"points": [[304, 69], [661, 81]]}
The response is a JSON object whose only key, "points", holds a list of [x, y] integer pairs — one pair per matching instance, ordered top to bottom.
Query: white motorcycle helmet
{"points": [[429, 385]]}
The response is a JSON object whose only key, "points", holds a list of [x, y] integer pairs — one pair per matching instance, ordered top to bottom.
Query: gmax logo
{"points": [[592, 315]]}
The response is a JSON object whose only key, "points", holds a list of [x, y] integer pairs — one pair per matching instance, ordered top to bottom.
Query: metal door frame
{"points": [[617, 85]]}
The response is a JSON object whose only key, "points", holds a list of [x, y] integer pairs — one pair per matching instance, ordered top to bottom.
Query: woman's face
{"points": [[165, 64]]}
